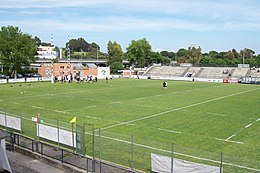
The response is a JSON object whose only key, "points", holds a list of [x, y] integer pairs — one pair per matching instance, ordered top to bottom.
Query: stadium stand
{"points": [[166, 71], [200, 72], [215, 72], [239, 72], [254, 72]]}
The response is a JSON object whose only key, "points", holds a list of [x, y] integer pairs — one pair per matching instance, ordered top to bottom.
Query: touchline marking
{"points": [[181, 108], [248, 125], [171, 131]]}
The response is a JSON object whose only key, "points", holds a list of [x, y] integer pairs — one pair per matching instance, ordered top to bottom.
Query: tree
{"points": [[17, 49], [115, 52], [138, 52], [167, 54], [181, 55], [194, 55], [115, 66]]}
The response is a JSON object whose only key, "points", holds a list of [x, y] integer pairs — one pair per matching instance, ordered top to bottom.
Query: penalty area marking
{"points": [[180, 108]]}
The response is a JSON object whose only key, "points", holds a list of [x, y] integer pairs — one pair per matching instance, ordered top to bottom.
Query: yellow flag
{"points": [[73, 120]]}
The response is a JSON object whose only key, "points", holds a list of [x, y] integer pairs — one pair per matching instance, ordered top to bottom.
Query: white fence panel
{"points": [[56, 135], [163, 164]]}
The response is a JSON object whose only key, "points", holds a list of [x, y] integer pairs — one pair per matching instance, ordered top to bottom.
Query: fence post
{"points": [[5, 120], [21, 123], [58, 131], [99, 140], [93, 149], [132, 153], [61, 155], [172, 158], [221, 162]]}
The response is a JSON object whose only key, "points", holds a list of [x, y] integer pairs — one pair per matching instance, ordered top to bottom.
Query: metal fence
{"points": [[104, 148], [87, 163]]}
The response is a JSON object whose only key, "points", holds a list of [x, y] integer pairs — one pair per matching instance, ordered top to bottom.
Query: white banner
{"points": [[103, 72], [16, 80], [3, 81], [2, 120], [10, 122], [14, 123], [51, 133], [163, 164]]}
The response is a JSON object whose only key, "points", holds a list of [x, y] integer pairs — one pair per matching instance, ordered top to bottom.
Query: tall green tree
{"points": [[17, 49], [115, 52], [138, 52], [194, 55]]}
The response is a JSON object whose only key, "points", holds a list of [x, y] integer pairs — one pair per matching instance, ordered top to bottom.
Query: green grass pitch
{"points": [[200, 119]]}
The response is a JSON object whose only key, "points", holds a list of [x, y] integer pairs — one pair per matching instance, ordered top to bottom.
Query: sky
{"points": [[219, 25]]}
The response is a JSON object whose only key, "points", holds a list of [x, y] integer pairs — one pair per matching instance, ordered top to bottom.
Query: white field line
{"points": [[159, 95], [141, 98], [118, 102], [16, 103], [93, 106], [148, 106], [37, 107], [180, 108], [70, 110], [64, 112], [210, 113], [96, 118], [258, 119], [247, 126], [171, 131], [231, 136], [225, 140]]}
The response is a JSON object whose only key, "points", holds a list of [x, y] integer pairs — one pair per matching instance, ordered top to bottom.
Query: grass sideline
{"points": [[197, 117]]}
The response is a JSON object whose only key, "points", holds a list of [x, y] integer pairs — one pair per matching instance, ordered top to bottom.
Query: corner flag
{"points": [[73, 120]]}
